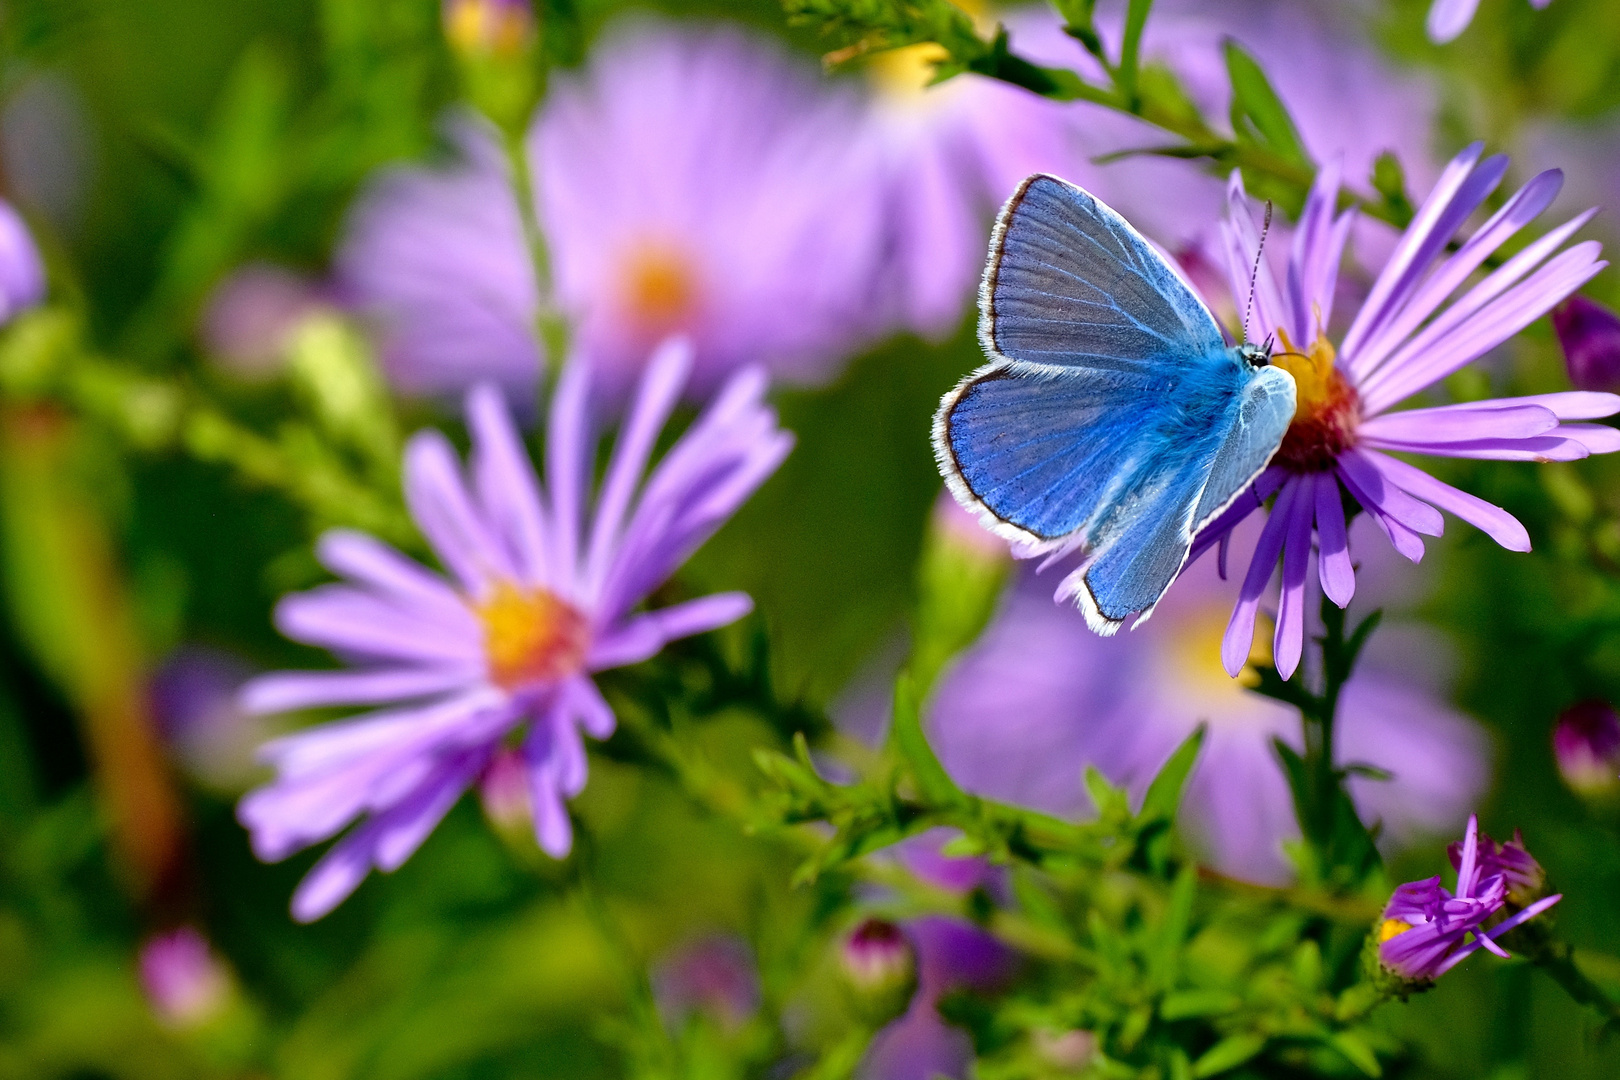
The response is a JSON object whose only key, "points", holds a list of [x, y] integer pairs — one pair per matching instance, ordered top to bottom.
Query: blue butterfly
{"points": [[1112, 417]]}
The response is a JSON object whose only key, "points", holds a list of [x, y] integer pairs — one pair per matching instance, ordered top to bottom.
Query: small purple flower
{"points": [[1449, 18], [700, 182], [22, 271], [251, 316], [1590, 336], [1405, 338], [542, 592], [194, 698], [1020, 715], [1586, 744], [1525, 879], [1426, 931], [951, 955], [714, 975], [184, 982]]}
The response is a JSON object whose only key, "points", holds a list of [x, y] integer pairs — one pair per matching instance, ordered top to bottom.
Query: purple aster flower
{"points": [[1449, 18], [946, 155], [693, 181], [705, 181], [22, 272], [1590, 336], [1404, 338], [542, 592], [1021, 714], [1586, 745], [1526, 881], [1426, 931], [951, 955], [714, 975], [185, 983]]}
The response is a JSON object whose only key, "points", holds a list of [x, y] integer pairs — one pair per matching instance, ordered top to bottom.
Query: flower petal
{"points": [[1461, 423], [1540, 448], [567, 458], [1369, 488], [508, 490], [439, 504], [1494, 521], [1337, 572], [402, 581], [353, 622], [1239, 637], [1289, 641], [284, 691]]}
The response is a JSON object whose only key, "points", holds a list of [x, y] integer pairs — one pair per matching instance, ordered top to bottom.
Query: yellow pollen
{"points": [[487, 27], [906, 72], [660, 289], [1326, 407], [530, 636], [1391, 928]]}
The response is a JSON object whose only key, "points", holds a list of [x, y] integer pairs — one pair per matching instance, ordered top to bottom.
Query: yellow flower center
{"points": [[487, 27], [660, 287], [1326, 407], [530, 636], [1194, 650], [1391, 928]]}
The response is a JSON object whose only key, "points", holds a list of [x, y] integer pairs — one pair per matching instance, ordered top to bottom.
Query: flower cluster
{"points": [[1405, 337], [543, 591], [1426, 930]]}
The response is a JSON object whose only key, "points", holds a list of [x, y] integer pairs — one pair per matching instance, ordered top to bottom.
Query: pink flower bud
{"points": [[1590, 335], [1586, 743], [879, 965], [185, 983]]}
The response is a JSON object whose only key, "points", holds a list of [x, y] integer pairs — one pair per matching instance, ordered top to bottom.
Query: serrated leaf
{"points": [[1257, 112], [1229, 1053]]}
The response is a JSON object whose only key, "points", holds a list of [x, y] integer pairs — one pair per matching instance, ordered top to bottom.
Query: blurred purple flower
{"points": [[1449, 18], [945, 156], [693, 181], [705, 181], [22, 272], [250, 317], [1590, 336], [1403, 340], [542, 593], [194, 703], [1021, 715], [1586, 745], [1424, 927], [951, 955], [714, 975], [185, 983]]}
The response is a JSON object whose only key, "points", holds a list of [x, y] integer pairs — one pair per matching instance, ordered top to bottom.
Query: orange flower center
{"points": [[660, 287], [1326, 410], [530, 636]]}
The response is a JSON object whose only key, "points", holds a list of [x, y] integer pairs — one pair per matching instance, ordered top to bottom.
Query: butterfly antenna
{"points": [[1254, 274]]}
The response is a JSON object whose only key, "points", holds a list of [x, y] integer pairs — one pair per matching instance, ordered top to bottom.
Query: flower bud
{"points": [[488, 28], [22, 272], [251, 318], [1590, 335], [1586, 744], [504, 792], [879, 966], [714, 976], [185, 983], [1066, 1051]]}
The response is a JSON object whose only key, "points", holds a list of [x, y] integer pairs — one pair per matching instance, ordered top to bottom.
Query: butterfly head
{"points": [[1256, 356]]}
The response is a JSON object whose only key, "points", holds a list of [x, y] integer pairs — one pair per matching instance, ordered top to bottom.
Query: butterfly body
{"points": [[1112, 417]]}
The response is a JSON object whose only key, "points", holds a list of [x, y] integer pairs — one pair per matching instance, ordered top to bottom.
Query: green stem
{"points": [[550, 327]]}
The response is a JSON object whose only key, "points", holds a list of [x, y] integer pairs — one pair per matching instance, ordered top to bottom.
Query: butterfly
{"points": [[1112, 417]]}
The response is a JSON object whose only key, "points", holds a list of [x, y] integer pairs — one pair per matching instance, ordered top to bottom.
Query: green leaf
{"points": [[1258, 114], [934, 784], [1164, 794], [1173, 933], [1186, 1004], [1356, 1050], [1229, 1053]]}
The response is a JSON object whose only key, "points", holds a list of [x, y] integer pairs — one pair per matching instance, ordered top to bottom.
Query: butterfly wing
{"points": [[1070, 284], [1109, 406]]}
